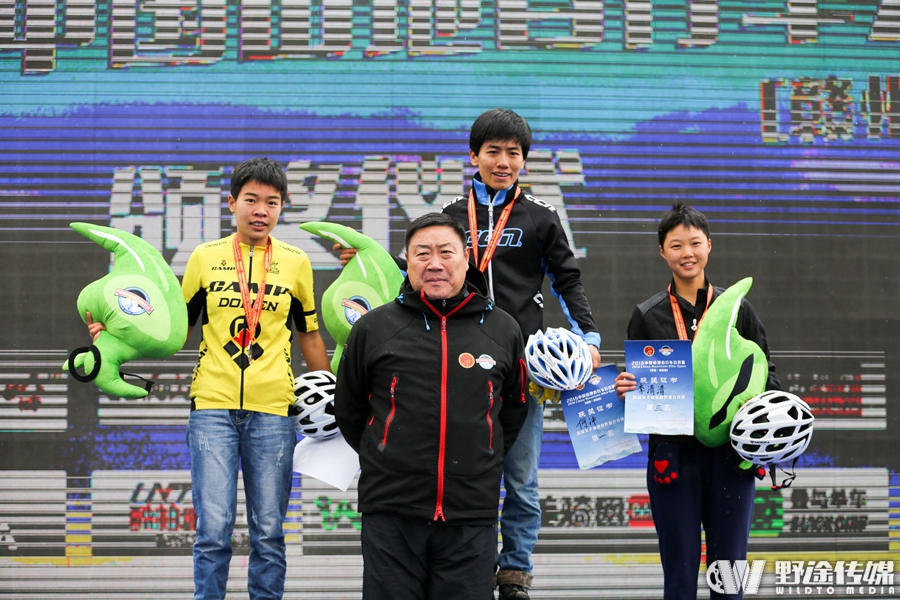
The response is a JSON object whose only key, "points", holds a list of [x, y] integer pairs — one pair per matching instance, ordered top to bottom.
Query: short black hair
{"points": [[500, 124], [263, 170], [681, 214], [435, 219]]}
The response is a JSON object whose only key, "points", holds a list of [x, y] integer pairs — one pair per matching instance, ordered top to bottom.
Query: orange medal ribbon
{"points": [[496, 234], [251, 312], [679, 319]]}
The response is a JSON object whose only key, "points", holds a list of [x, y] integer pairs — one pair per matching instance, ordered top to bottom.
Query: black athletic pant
{"points": [[708, 490], [415, 559]]}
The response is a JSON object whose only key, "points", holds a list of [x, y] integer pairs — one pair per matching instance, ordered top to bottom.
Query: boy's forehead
{"points": [[513, 144], [254, 187]]}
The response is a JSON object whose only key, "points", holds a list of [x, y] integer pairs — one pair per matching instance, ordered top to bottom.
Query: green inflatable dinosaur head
{"points": [[370, 279], [140, 303], [728, 369]]}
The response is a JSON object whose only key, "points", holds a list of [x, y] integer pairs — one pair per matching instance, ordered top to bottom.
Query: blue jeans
{"points": [[263, 446], [520, 520]]}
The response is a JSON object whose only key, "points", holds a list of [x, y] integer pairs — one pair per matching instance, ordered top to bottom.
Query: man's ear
{"points": [[473, 158], [231, 202], [468, 250]]}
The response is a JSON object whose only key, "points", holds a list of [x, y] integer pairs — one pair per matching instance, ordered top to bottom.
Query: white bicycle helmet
{"points": [[558, 359], [313, 409], [773, 427]]}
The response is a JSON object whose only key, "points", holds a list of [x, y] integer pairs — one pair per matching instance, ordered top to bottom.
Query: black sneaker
{"points": [[511, 591]]}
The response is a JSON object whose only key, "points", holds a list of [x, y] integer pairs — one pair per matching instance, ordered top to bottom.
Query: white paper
{"points": [[331, 461]]}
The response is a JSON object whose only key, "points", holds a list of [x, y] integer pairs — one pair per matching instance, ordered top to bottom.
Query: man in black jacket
{"points": [[517, 240], [431, 394]]}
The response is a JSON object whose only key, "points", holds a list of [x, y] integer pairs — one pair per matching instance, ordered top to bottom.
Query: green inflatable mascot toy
{"points": [[370, 279], [140, 303], [728, 369]]}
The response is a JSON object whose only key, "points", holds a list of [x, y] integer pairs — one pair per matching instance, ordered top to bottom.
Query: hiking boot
{"points": [[511, 591]]}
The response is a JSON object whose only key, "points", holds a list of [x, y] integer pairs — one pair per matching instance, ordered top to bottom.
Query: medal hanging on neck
{"points": [[495, 235], [251, 312], [679, 318]]}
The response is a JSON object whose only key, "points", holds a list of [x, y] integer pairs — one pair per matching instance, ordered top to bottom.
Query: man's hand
{"points": [[346, 253], [94, 329], [595, 356], [625, 382]]}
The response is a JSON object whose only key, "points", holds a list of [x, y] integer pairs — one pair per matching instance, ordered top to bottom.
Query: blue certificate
{"points": [[664, 399], [595, 417]]}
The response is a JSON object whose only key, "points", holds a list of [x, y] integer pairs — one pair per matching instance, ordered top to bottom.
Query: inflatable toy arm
{"points": [[369, 279], [137, 310], [728, 369]]}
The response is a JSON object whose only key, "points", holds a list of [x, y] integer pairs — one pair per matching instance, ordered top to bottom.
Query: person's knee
{"points": [[521, 474], [215, 521]]}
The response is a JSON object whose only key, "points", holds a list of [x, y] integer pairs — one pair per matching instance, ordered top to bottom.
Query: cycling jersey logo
{"points": [[540, 202], [511, 237], [273, 269], [539, 299], [134, 301], [354, 308], [235, 346], [466, 360], [485, 361]]}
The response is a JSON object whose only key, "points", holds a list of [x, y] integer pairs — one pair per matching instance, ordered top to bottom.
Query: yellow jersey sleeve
{"points": [[304, 310]]}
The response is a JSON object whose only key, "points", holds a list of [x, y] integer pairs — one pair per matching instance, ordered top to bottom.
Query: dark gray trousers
{"points": [[414, 559]]}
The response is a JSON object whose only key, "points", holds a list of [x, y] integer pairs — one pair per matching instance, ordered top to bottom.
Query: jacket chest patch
{"points": [[466, 360], [486, 362]]}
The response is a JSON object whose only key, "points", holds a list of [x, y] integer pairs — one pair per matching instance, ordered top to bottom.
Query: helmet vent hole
{"points": [[783, 432]]}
